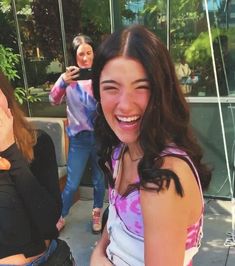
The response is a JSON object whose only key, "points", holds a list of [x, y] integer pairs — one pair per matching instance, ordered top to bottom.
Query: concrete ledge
{"points": [[55, 128]]}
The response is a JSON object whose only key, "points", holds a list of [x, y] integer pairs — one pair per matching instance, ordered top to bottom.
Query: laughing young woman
{"points": [[148, 153]]}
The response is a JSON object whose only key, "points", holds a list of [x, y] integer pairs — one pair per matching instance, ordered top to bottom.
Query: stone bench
{"points": [[55, 127]]}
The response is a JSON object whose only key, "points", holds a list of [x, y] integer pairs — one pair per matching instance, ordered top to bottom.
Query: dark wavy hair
{"points": [[77, 41], [166, 119]]}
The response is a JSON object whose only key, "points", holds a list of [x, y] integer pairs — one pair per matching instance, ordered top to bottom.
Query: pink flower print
{"points": [[122, 206], [135, 206], [138, 226]]}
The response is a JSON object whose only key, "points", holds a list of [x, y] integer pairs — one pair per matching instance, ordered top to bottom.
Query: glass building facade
{"points": [[35, 47]]}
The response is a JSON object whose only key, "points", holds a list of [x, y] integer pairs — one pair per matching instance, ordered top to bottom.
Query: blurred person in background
{"points": [[81, 112]]}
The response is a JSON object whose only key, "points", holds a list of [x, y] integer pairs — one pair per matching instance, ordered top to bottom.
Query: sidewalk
{"points": [[217, 223], [77, 232]]}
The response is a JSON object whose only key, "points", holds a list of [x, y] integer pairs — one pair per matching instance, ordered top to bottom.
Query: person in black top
{"points": [[30, 202]]}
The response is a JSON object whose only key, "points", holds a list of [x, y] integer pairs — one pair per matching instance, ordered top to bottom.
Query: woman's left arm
{"points": [[44, 167], [39, 203], [166, 218]]}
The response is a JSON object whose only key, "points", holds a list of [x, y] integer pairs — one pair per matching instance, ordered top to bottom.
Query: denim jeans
{"points": [[81, 148], [45, 256], [42, 259]]}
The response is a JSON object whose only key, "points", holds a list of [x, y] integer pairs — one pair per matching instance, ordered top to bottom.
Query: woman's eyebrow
{"points": [[140, 80], [109, 81], [115, 82]]}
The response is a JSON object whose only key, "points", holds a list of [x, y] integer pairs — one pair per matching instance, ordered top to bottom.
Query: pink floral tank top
{"points": [[129, 210]]}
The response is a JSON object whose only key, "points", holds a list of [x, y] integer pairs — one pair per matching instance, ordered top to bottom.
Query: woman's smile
{"points": [[124, 97]]}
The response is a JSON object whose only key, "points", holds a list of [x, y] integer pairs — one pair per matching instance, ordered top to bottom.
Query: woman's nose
{"points": [[126, 101]]}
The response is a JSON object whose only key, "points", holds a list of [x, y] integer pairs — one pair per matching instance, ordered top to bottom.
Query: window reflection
{"points": [[40, 29], [190, 39], [42, 43], [9, 51], [186, 76]]}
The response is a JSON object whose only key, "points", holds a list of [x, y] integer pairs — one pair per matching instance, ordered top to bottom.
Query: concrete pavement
{"points": [[217, 222]]}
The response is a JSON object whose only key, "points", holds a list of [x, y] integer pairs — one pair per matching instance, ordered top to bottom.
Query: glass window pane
{"points": [[150, 13], [222, 22], [40, 35], [42, 40], [190, 47], [10, 62]]}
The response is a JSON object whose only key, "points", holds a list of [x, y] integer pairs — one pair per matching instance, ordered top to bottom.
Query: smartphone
{"points": [[84, 74]]}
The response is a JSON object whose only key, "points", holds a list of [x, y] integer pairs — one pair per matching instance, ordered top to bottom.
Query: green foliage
{"points": [[5, 6], [151, 13], [185, 14], [154, 15], [95, 16], [90, 17], [200, 50], [8, 62], [23, 96]]}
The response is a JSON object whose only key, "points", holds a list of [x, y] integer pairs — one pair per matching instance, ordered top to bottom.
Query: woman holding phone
{"points": [[81, 111]]}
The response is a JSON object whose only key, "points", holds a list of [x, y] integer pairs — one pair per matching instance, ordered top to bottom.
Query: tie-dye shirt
{"points": [[81, 105], [129, 209]]}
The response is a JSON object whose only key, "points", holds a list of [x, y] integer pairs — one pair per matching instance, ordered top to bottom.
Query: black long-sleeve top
{"points": [[30, 201]]}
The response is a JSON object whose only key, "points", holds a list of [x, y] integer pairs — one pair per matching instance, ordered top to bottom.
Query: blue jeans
{"points": [[81, 148], [43, 258]]}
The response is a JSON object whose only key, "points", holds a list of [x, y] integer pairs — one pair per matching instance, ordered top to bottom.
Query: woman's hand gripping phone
{"points": [[71, 73], [74, 73]]}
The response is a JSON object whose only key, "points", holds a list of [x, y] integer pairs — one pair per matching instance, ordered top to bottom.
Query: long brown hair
{"points": [[166, 119], [25, 135]]}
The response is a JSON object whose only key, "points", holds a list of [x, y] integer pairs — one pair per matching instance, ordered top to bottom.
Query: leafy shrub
{"points": [[8, 62], [23, 96]]}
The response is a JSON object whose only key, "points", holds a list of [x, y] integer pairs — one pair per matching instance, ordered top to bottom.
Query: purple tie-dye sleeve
{"points": [[58, 91]]}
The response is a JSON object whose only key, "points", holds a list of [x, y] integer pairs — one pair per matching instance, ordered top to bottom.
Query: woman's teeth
{"points": [[128, 119]]}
